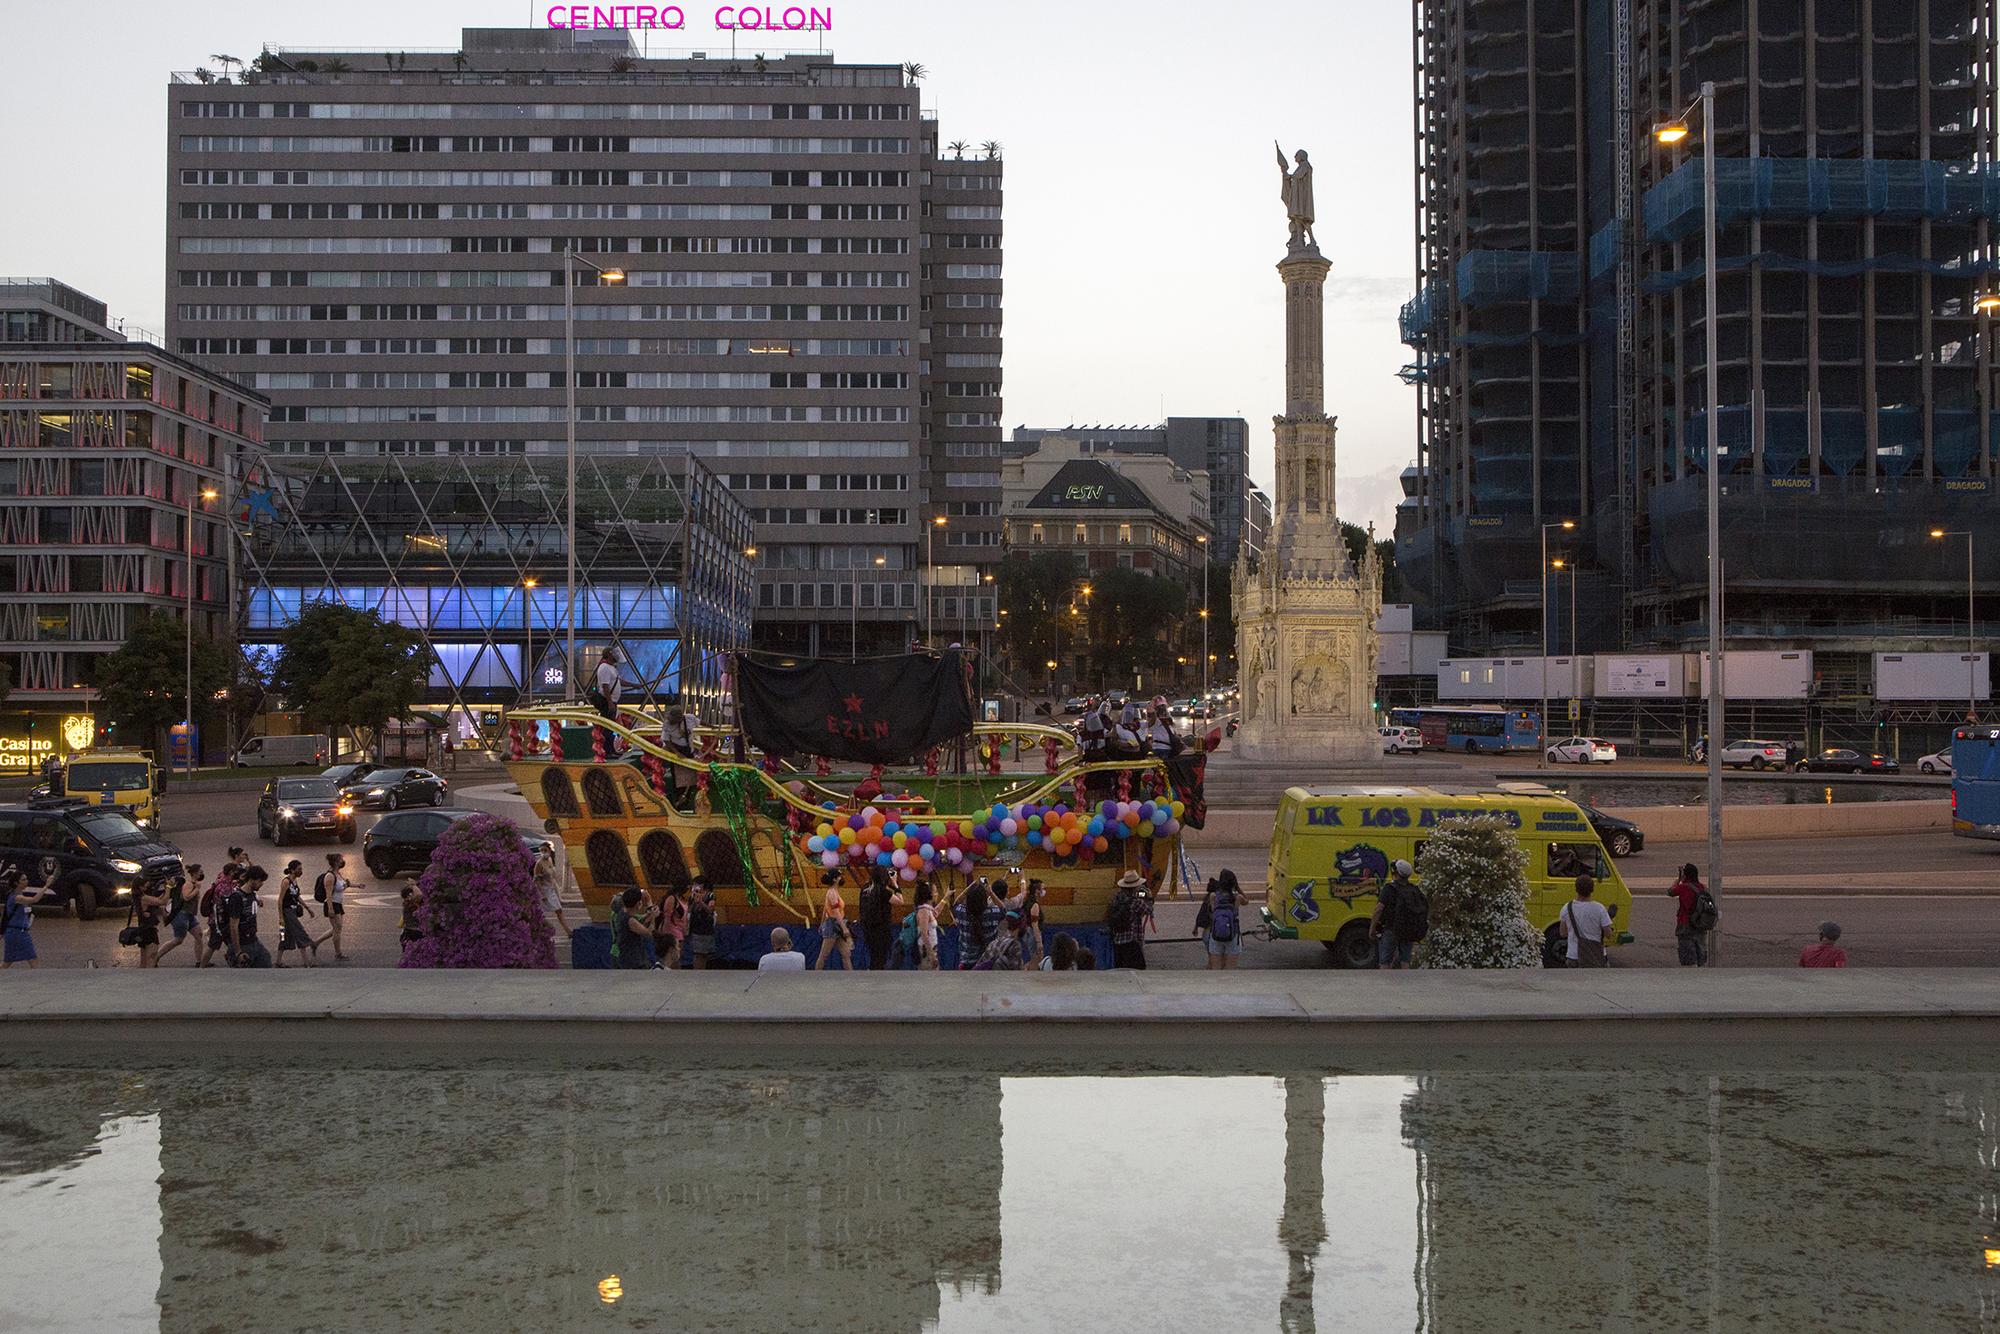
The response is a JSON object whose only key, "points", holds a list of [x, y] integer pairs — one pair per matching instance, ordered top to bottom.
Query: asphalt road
{"points": [[1901, 900]]}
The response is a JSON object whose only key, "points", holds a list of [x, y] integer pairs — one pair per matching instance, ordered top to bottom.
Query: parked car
{"points": [[1400, 740], [1582, 750], [1755, 754], [1837, 760], [1937, 762], [352, 772], [394, 788], [294, 808], [1621, 838], [404, 841], [94, 855]]}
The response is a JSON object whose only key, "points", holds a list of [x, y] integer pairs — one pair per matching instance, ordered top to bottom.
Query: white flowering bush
{"points": [[1475, 875]]}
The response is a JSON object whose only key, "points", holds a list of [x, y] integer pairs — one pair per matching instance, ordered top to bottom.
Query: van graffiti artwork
{"points": [[672, 18], [1361, 863]]}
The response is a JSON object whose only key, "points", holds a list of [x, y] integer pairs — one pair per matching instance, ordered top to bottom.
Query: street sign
{"points": [[1575, 710], [180, 753]]}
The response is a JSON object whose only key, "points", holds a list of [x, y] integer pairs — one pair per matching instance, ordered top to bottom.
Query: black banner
{"points": [[879, 712]]}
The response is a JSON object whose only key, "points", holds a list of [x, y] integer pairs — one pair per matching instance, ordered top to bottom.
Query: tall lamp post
{"points": [[1672, 133], [604, 276], [205, 493], [1201, 540], [930, 575], [854, 613], [1971, 648], [1542, 748]]}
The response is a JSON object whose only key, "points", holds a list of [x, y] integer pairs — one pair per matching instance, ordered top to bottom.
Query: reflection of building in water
{"points": [[487, 1199], [1635, 1200], [1302, 1226]]}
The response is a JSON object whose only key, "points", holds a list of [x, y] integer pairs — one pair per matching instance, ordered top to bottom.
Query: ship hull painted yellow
{"points": [[1076, 894]]}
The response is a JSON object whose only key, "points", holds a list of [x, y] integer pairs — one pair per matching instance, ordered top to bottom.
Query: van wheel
{"points": [[83, 899], [1352, 947], [1555, 950]]}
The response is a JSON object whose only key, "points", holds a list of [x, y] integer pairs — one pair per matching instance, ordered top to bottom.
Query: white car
{"points": [[1400, 740], [1582, 750], [1756, 754], [1937, 762]]}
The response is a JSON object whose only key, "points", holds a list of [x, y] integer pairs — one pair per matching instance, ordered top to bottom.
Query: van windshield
{"points": [[103, 777], [111, 828]]}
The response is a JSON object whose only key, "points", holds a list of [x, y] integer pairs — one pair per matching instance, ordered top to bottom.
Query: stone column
{"points": [[1304, 273]]}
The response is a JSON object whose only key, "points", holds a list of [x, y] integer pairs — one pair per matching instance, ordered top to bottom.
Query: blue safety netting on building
{"points": [[1799, 188], [1604, 250], [1774, 262], [1498, 277], [1420, 313], [1843, 440]]}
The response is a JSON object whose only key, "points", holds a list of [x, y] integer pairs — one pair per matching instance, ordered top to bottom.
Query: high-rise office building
{"points": [[777, 271], [1558, 330], [1218, 446], [117, 461]]}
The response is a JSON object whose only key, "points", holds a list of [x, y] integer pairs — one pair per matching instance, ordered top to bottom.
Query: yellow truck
{"points": [[116, 776], [1333, 847]]}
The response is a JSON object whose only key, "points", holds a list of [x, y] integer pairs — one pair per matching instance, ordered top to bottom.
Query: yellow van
{"points": [[117, 776], [1333, 847]]}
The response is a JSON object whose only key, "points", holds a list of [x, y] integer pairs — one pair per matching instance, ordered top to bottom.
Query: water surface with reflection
{"points": [[1840, 1189]]}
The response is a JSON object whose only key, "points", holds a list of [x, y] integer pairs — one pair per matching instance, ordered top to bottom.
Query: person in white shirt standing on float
{"points": [[608, 684]]}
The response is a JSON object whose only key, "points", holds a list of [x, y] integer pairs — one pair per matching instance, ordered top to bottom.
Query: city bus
{"points": [[1472, 730], [1975, 782]]}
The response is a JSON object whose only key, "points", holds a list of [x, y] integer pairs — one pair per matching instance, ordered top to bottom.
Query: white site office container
{"points": [[1396, 618], [1759, 674], [1644, 676], [1940, 676], [1520, 680]]}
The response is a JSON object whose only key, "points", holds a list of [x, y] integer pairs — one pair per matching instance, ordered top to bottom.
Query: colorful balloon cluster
{"points": [[917, 847]]}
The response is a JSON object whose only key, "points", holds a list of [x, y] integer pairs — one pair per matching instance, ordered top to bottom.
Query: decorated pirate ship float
{"points": [[832, 769]]}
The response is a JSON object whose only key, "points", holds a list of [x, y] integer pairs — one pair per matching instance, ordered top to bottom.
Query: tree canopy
{"points": [[346, 668], [143, 685]]}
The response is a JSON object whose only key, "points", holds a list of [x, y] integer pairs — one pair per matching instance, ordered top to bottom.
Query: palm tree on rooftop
{"points": [[915, 71], [958, 147], [991, 148]]}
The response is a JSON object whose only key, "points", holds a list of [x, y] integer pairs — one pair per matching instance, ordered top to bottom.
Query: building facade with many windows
{"points": [[778, 272], [118, 461], [1239, 514]]}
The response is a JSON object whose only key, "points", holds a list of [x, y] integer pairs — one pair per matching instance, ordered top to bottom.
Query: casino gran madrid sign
{"points": [[673, 18]]}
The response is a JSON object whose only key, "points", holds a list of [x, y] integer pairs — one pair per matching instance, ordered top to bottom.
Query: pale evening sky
{"points": [[1142, 217]]}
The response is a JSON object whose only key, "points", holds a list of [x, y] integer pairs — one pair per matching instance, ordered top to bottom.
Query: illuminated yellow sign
{"points": [[79, 730], [24, 752]]}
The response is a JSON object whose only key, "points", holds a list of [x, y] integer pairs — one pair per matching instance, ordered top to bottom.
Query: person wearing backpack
{"points": [[331, 889], [879, 902], [1695, 916], [1125, 918], [1402, 918], [1219, 922], [1586, 924]]}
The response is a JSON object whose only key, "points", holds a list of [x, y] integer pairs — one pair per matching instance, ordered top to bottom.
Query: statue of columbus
{"points": [[1296, 189]]}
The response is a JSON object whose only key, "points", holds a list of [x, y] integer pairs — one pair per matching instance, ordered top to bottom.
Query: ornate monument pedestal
{"points": [[1305, 616]]}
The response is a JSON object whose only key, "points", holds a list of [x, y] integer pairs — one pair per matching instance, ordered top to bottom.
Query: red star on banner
{"points": [[854, 703]]}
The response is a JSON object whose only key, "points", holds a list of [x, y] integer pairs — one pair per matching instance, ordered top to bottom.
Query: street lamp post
{"points": [[1673, 133], [570, 260], [205, 493], [1201, 539], [930, 576], [854, 614], [1971, 647], [1542, 748]]}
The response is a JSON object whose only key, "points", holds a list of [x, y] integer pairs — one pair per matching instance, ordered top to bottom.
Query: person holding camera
{"points": [[17, 919]]}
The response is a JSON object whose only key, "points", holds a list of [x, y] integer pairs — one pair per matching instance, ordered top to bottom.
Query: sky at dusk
{"points": [[1142, 214]]}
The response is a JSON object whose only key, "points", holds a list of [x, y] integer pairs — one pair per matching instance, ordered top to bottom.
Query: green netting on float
{"points": [[1801, 188]]}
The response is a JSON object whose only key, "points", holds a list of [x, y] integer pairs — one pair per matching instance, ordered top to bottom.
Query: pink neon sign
{"points": [[740, 18]]}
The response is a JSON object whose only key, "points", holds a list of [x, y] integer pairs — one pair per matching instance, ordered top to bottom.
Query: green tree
{"points": [[1356, 538], [1034, 588], [1138, 623], [346, 669], [143, 686], [1475, 876]]}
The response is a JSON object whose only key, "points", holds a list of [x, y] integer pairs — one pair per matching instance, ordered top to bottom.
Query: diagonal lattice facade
{"points": [[471, 555]]}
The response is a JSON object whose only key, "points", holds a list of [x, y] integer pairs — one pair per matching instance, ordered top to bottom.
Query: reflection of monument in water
{"points": [[1305, 616], [499, 1199], [1302, 1225]]}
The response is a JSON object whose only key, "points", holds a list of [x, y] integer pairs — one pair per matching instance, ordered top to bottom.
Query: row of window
{"points": [[196, 110], [291, 143], [463, 278], [758, 314], [585, 347], [375, 414], [750, 451], [806, 481], [825, 516], [886, 597], [599, 606]]}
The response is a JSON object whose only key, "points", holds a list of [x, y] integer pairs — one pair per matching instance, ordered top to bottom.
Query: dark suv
{"points": [[394, 788], [296, 808], [404, 840], [94, 855]]}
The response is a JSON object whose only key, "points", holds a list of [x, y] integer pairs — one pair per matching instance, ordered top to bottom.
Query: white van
{"points": [[315, 750]]}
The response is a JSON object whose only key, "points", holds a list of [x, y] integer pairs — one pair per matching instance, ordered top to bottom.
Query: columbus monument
{"points": [[1305, 615]]}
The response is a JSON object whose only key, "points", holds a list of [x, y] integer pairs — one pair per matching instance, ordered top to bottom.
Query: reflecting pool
{"points": [[1841, 1189]]}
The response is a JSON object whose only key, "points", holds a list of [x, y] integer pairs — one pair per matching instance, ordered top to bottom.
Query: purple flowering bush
{"points": [[480, 909]]}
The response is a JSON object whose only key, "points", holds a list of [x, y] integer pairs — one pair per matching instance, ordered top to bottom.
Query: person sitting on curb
{"points": [[1826, 951], [782, 958]]}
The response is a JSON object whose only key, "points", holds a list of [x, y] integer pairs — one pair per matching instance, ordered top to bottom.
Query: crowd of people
{"points": [[1109, 732]]}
